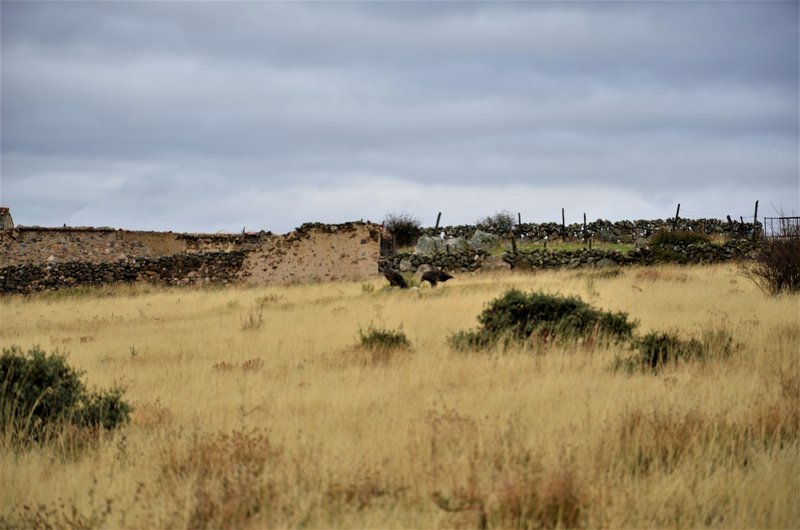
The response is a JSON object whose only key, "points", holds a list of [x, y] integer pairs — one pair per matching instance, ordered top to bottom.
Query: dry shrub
{"points": [[404, 227], [776, 268], [664, 275], [253, 319], [362, 356], [252, 365], [223, 366], [788, 380], [151, 415], [774, 423], [451, 436], [643, 442], [495, 479], [230, 484], [366, 486], [553, 499], [559, 500], [63, 514]]}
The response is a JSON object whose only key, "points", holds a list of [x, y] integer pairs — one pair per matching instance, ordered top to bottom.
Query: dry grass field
{"points": [[256, 408]]}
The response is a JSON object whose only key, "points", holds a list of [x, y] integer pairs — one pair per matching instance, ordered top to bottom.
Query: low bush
{"points": [[500, 223], [404, 227], [664, 245], [776, 268], [517, 317], [381, 339], [656, 350], [40, 392]]}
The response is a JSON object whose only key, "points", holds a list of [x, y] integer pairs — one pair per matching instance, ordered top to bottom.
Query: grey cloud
{"points": [[242, 102]]}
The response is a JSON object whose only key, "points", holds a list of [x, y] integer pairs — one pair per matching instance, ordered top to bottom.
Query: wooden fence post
{"points": [[677, 213], [438, 218], [755, 223], [563, 226], [584, 228]]}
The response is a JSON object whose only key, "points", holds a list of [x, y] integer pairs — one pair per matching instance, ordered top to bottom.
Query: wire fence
{"points": [[781, 227]]}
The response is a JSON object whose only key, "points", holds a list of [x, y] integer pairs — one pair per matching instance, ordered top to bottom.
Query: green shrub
{"points": [[517, 317], [382, 339], [39, 392]]}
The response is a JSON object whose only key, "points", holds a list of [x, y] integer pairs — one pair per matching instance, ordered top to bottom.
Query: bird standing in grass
{"points": [[434, 276], [395, 278]]}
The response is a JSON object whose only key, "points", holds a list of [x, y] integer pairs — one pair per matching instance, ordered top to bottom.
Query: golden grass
{"points": [[255, 408]]}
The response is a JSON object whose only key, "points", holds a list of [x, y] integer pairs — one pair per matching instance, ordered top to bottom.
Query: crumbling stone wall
{"points": [[6, 222], [317, 252], [34, 259]]}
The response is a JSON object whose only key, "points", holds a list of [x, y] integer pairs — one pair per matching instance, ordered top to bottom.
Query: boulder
{"points": [[481, 240], [428, 245]]}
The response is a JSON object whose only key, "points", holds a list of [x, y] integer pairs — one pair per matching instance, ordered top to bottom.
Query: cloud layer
{"points": [[201, 116]]}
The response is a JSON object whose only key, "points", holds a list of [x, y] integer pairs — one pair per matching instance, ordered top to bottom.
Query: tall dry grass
{"points": [[255, 408]]}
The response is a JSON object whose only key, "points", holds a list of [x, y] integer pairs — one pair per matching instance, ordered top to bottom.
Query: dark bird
{"points": [[434, 276], [395, 278]]}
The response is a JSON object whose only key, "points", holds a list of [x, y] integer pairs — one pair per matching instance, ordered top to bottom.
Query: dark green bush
{"points": [[517, 317], [382, 339], [39, 392]]}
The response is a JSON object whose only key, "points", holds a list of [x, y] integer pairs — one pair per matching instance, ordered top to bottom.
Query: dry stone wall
{"points": [[605, 231], [468, 261], [177, 269]]}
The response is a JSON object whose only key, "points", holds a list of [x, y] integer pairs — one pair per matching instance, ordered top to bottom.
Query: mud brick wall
{"points": [[34, 245], [317, 252], [35, 259]]}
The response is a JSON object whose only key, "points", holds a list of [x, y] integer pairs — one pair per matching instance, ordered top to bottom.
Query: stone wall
{"points": [[606, 231], [35, 258], [466, 261], [177, 269]]}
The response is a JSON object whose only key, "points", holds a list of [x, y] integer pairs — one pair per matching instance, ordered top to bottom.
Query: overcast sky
{"points": [[209, 116]]}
